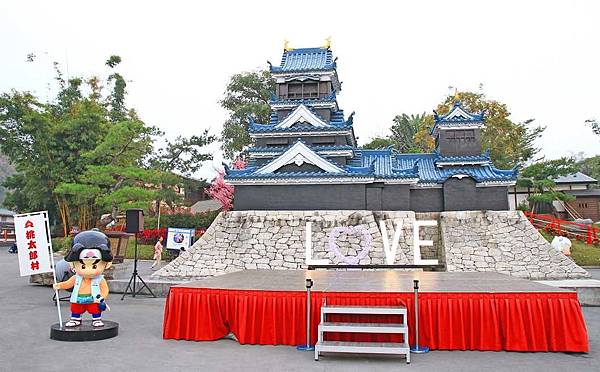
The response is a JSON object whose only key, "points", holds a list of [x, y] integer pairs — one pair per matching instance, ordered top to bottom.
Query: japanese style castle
{"points": [[307, 158]]}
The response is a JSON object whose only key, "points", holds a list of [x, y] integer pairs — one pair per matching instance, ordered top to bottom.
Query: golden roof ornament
{"points": [[327, 44], [286, 45], [456, 95]]}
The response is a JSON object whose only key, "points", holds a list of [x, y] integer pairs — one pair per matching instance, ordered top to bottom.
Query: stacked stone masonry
{"points": [[275, 240], [503, 242]]}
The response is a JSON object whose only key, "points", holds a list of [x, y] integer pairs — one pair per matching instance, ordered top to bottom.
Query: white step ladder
{"points": [[401, 348]]}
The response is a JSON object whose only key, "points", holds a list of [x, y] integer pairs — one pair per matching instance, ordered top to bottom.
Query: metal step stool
{"points": [[401, 348]]}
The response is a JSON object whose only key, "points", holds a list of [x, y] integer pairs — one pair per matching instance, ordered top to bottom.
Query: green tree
{"points": [[247, 94], [406, 129], [379, 143], [81, 154], [183, 156], [590, 166], [6, 170], [540, 175]]}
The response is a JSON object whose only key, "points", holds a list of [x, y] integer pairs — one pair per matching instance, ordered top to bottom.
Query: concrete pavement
{"points": [[26, 314]]}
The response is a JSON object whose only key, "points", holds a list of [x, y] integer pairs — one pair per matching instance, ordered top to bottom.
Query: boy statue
{"points": [[89, 256]]}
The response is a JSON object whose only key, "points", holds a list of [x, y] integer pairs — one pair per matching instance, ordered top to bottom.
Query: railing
{"points": [[586, 233]]}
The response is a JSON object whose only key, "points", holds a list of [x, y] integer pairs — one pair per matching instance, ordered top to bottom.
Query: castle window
{"points": [[302, 90], [310, 90], [295, 91], [465, 135], [469, 135]]}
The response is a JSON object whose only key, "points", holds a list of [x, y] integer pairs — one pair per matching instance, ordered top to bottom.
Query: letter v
{"points": [[390, 253]]}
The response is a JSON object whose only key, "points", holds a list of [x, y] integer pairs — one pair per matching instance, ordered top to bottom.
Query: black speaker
{"points": [[134, 220]]}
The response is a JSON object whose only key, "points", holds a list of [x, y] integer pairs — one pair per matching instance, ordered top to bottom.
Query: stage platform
{"points": [[457, 311]]}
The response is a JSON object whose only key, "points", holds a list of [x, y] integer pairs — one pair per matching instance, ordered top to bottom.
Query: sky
{"points": [[541, 58]]}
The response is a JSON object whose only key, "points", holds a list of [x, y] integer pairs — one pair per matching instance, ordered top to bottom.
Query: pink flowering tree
{"points": [[239, 163], [221, 191]]}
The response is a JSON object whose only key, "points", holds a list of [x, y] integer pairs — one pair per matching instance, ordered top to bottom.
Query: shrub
{"points": [[183, 220], [150, 236], [61, 244]]}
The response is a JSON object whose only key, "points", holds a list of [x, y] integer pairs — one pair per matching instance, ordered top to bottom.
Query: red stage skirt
{"points": [[535, 321]]}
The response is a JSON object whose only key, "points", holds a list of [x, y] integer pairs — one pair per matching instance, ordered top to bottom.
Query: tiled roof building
{"points": [[307, 157]]}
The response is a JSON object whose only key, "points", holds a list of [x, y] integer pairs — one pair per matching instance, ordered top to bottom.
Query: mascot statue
{"points": [[88, 257]]}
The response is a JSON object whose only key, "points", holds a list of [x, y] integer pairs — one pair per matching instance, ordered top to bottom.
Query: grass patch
{"points": [[583, 254]]}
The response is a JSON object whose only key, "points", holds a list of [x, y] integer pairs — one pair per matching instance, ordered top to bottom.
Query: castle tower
{"points": [[306, 157]]}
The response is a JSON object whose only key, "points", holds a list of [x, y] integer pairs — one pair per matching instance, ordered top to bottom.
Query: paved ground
{"points": [[26, 314]]}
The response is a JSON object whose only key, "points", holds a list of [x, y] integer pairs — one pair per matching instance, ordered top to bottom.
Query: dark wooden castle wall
{"points": [[453, 142], [456, 194], [463, 195], [299, 197]]}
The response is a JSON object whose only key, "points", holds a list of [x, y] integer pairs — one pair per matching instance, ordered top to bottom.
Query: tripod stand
{"points": [[135, 276]]}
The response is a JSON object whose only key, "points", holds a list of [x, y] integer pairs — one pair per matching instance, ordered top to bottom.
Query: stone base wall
{"points": [[275, 240], [465, 241], [503, 242]]}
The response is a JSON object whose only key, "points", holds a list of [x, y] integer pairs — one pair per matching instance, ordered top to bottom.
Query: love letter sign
{"points": [[390, 251]]}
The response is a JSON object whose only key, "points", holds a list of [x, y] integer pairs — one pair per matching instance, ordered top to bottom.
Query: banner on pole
{"points": [[33, 243]]}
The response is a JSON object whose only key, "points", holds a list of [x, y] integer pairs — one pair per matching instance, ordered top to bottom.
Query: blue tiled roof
{"points": [[305, 59], [457, 116], [337, 117], [468, 117], [336, 122], [263, 128], [284, 148], [465, 159], [383, 164], [386, 164], [430, 173], [251, 175]]}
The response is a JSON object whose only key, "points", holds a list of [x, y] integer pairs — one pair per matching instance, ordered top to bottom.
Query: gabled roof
{"points": [[305, 59], [301, 114], [458, 114], [457, 117], [336, 123], [317, 148], [299, 154], [576, 177], [205, 206], [6, 212]]}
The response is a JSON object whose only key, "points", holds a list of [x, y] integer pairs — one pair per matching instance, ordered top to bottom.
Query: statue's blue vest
{"points": [[95, 287]]}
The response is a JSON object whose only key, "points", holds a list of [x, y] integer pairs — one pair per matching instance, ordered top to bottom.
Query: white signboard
{"points": [[179, 238], [33, 242]]}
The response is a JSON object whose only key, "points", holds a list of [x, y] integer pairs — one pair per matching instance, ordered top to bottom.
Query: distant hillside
{"points": [[6, 169]]}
